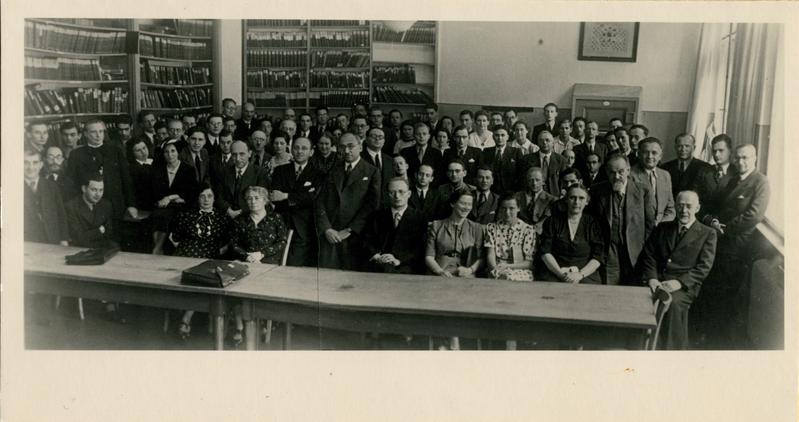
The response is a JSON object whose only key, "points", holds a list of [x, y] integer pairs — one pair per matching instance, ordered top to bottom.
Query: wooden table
{"points": [[595, 317]]}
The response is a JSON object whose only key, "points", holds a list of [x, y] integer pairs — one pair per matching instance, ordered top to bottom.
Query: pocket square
{"points": [[471, 160], [365, 178], [307, 184], [311, 190], [741, 197]]}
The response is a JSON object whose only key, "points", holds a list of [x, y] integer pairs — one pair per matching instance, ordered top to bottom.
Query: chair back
{"points": [[286, 250], [662, 303]]}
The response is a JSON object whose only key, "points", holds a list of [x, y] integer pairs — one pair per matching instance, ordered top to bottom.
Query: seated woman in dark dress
{"points": [[173, 187], [200, 232], [259, 235], [571, 244]]}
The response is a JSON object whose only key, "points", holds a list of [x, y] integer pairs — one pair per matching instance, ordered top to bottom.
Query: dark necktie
{"points": [[461, 153], [499, 155], [257, 160], [377, 162], [545, 170], [347, 171], [197, 172], [719, 172], [297, 173], [237, 182], [421, 195], [481, 200], [397, 217], [681, 233]]}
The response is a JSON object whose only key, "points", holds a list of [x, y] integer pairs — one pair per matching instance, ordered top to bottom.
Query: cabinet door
{"points": [[601, 111]]}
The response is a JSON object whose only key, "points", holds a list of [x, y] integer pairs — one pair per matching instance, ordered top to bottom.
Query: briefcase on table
{"points": [[94, 256], [214, 273]]}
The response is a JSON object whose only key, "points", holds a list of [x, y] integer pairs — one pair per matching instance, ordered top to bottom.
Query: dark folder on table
{"points": [[214, 273]]}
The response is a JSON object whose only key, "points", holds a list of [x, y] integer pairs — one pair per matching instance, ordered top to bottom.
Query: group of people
{"points": [[487, 196]]}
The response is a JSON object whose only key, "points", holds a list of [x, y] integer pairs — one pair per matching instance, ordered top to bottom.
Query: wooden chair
{"points": [[662, 303], [268, 329]]}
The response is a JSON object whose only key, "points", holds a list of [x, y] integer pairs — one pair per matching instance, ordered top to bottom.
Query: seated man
{"points": [[456, 172], [424, 198], [534, 202], [484, 210], [89, 216], [394, 236], [677, 257]]}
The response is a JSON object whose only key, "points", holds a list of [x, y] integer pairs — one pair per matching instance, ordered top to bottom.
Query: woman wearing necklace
{"points": [[282, 154], [173, 187], [200, 232], [259, 235], [510, 243], [571, 244]]}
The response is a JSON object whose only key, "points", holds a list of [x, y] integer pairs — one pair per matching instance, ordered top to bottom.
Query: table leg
{"points": [[218, 315], [250, 325], [287, 336], [510, 345]]}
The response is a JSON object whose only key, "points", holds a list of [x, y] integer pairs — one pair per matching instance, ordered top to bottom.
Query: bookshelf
{"points": [[306, 63], [78, 69]]}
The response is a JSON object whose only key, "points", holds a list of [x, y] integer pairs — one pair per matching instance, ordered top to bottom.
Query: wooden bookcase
{"points": [[306, 63], [79, 69]]}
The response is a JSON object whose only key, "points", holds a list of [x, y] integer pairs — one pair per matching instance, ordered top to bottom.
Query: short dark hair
{"points": [[228, 100], [551, 105], [434, 106], [320, 108], [394, 110], [467, 112], [142, 113], [481, 113], [213, 115], [126, 119], [227, 119], [579, 119], [562, 121], [521, 122], [159, 125], [67, 126], [640, 126], [499, 127], [459, 128], [196, 129], [620, 129], [224, 133], [280, 134], [722, 138], [650, 140], [456, 161], [485, 168], [570, 170], [94, 177], [399, 179], [455, 196], [507, 196]]}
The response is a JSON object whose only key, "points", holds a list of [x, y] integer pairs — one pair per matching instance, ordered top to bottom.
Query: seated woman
{"points": [[173, 187], [200, 232], [259, 235], [509, 243], [571, 244]]}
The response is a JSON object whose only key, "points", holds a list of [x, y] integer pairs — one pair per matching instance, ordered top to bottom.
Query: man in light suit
{"points": [[374, 155], [196, 157], [503, 161], [550, 162], [685, 169], [646, 172], [235, 181], [294, 188], [350, 193], [486, 202], [535, 202], [626, 212], [394, 236], [678, 256]]}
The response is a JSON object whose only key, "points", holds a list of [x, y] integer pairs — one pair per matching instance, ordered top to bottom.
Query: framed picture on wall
{"points": [[608, 41]]}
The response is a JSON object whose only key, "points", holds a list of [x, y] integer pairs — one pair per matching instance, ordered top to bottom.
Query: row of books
{"points": [[276, 22], [330, 22], [105, 23], [194, 27], [419, 33], [58, 38], [357, 38], [277, 39], [172, 48], [277, 58], [339, 59], [62, 68], [402, 73], [175, 75], [276, 79], [337, 79], [390, 94], [176, 98], [338, 98], [278, 99], [75, 100]]}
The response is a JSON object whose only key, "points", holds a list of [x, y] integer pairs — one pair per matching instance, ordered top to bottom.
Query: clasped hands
{"points": [[277, 196], [165, 201], [337, 236], [255, 256], [385, 258], [571, 275], [667, 285]]}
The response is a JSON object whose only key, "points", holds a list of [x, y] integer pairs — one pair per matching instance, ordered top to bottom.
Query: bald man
{"points": [[236, 179], [677, 258]]}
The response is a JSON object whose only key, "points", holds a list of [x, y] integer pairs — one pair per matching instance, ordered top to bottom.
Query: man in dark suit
{"points": [[377, 120], [247, 123], [215, 124], [550, 124], [304, 125], [318, 129], [145, 130], [591, 145], [625, 148], [421, 153], [373, 154], [470, 156], [196, 157], [259, 157], [222, 160], [109, 161], [503, 161], [550, 162], [685, 169], [593, 170], [55, 172], [456, 172], [646, 172], [235, 181], [713, 182], [294, 188], [350, 193], [424, 198], [486, 202], [534, 202], [626, 211], [89, 216], [45, 220], [394, 236], [677, 258]]}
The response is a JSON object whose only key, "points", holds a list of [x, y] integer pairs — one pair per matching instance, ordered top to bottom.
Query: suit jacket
{"points": [[537, 129], [244, 130], [316, 133], [212, 148], [581, 154], [431, 157], [471, 157], [264, 160], [205, 164], [556, 164], [217, 166], [505, 171], [386, 172], [141, 176], [601, 176], [116, 177], [686, 180], [184, 184], [711, 189], [228, 195], [663, 197], [343, 205], [429, 206], [741, 208], [297, 210], [540, 210], [487, 211], [639, 215], [45, 220], [84, 224], [405, 242], [687, 260]]}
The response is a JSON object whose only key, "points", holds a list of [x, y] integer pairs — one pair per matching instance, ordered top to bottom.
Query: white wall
{"points": [[229, 63], [531, 64]]}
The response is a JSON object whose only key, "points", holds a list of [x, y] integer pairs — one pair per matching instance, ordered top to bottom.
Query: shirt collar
{"points": [[354, 163], [243, 169], [745, 175], [401, 212], [688, 225]]}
